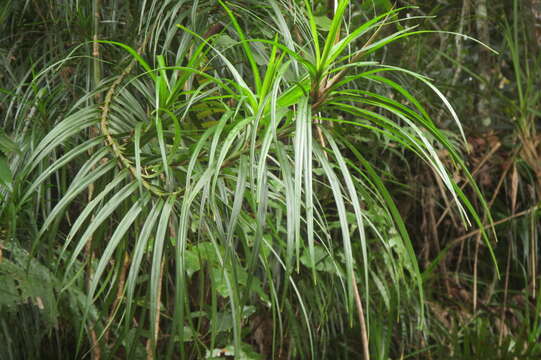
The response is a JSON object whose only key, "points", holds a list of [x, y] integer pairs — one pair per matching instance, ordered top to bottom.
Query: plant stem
{"points": [[362, 322]]}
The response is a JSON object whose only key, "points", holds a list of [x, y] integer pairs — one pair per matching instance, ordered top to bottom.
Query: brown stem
{"points": [[214, 29], [431, 209], [478, 236], [459, 239], [475, 262], [119, 292], [505, 294], [362, 323]]}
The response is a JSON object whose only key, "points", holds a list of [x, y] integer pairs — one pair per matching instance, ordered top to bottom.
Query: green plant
{"points": [[218, 191]]}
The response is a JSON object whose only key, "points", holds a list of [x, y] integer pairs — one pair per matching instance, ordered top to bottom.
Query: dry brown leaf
{"points": [[514, 188]]}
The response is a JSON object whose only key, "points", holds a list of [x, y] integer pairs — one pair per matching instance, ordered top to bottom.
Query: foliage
{"points": [[199, 179]]}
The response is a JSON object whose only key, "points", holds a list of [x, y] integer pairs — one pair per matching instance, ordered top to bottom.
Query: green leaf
{"points": [[379, 5], [323, 22], [7, 146], [6, 177], [322, 260]]}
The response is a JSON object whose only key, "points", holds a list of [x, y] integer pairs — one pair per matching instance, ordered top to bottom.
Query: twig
{"points": [[466, 181], [478, 236], [459, 239], [475, 262], [119, 292], [505, 294], [362, 323]]}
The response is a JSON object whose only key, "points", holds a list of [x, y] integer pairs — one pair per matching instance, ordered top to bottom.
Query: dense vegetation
{"points": [[279, 179]]}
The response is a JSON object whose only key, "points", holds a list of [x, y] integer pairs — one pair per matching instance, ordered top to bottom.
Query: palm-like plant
{"points": [[217, 192]]}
